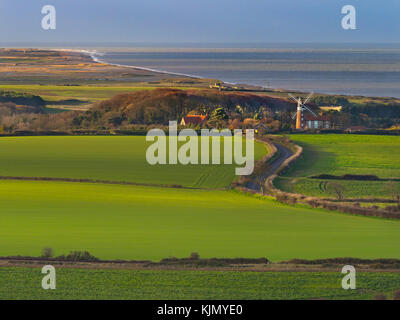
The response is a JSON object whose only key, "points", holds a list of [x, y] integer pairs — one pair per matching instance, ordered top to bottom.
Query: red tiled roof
{"points": [[194, 119]]}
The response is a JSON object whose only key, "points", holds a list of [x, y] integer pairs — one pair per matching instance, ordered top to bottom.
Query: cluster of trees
{"points": [[19, 98], [329, 101], [162, 105], [150, 108], [18, 111], [24, 112], [369, 114], [374, 115], [25, 118], [48, 253]]}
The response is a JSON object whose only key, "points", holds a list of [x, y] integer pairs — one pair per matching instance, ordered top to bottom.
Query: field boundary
{"points": [[96, 181], [212, 264]]}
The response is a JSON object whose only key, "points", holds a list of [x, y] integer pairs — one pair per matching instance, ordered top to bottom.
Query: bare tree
{"points": [[336, 188], [393, 188], [47, 252], [194, 256]]}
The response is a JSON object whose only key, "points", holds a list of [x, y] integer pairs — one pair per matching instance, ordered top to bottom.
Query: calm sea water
{"points": [[369, 72]]}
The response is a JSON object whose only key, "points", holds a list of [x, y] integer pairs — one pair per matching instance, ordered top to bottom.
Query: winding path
{"points": [[284, 153]]}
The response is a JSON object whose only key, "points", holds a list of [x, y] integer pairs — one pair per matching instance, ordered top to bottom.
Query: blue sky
{"points": [[200, 21]]}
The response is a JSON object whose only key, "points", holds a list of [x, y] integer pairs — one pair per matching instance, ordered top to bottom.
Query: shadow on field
{"points": [[67, 102], [313, 161]]}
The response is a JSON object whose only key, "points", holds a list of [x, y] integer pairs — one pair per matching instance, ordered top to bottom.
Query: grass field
{"points": [[344, 154], [107, 158], [352, 189], [129, 222], [135, 222], [25, 283]]}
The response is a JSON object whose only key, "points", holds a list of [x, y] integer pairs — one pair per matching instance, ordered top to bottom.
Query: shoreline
{"points": [[93, 54], [111, 69]]}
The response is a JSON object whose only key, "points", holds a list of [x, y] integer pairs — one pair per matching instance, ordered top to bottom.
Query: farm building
{"points": [[217, 85], [193, 120], [318, 122], [258, 126], [261, 128]]}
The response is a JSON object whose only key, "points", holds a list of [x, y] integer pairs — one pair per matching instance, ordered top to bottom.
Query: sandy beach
{"points": [[65, 65]]}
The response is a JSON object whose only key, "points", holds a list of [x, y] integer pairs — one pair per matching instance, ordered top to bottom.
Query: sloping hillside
{"points": [[161, 105]]}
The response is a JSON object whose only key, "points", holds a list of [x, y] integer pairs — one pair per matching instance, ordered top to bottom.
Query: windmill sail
{"points": [[301, 106]]}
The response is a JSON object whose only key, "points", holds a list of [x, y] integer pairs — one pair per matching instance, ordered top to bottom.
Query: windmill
{"points": [[301, 106]]}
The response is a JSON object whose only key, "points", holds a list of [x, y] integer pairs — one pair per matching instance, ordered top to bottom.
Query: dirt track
{"points": [[284, 153]]}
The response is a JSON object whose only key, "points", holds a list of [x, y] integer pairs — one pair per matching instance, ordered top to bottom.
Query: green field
{"points": [[84, 92], [343, 154], [116, 158], [352, 189], [116, 221], [130, 222], [139, 222], [25, 283]]}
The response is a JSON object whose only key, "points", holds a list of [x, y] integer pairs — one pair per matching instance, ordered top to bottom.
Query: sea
{"points": [[361, 70]]}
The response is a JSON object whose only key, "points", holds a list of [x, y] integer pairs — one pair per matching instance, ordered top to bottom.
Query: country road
{"points": [[284, 153]]}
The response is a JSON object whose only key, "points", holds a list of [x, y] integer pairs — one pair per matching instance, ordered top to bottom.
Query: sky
{"points": [[199, 21]]}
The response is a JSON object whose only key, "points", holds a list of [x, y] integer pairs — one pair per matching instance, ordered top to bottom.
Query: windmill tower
{"points": [[301, 106]]}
